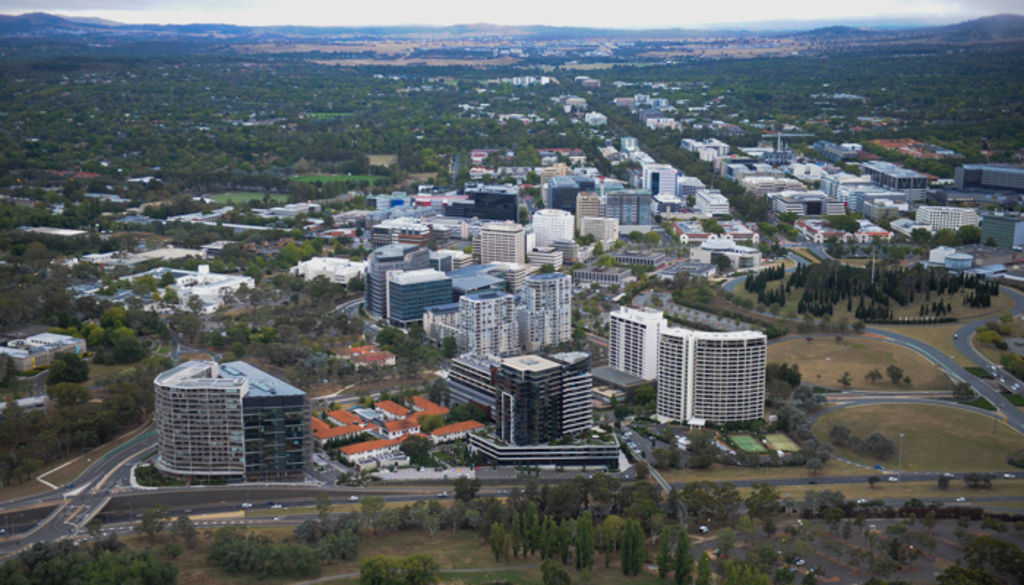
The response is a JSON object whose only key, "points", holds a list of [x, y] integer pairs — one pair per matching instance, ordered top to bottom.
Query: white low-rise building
{"points": [[712, 202], [952, 218], [740, 257], [336, 270], [210, 288]]}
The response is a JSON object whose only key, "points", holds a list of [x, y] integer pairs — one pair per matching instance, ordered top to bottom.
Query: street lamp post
{"points": [[899, 473]]}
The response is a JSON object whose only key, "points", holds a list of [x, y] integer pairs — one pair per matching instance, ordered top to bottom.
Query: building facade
{"points": [[490, 202], [588, 204], [629, 207], [952, 218], [552, 225], [1006, 231], [501, 242], [383, 260], [410, 292], [545, 311], [488, 324], [633, 341], [717, 377], [541, 399], [230, 422]]}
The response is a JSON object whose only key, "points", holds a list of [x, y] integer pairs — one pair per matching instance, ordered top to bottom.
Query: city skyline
{"points": [[793, 14]]}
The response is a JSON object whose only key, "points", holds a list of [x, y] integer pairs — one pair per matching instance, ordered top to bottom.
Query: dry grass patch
{"points": [[938, 336], [823, 361], [936, 438], [717, 472]]}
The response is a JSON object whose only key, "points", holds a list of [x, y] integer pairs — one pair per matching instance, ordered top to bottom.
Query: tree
{"points": [[449, 347], [67, 367], [895, 373], [873, 376], [845, 380], [68, 395], [840, 435], [418, 448], [643, 471], [872, 480], [943, 482], [465, 488], [763, 502], [323, 508], [370, 510], [153, 522], [184, 529], [726, 540], [498, 541], [585, 542], [633, 550], [664, 558], [683, 559], [704, 570], [553, 574], [957, 575]]}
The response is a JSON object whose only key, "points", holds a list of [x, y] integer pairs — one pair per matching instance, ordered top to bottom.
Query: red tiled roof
{"points": [[392, 407], [344, 417], [319, 425], [400, 425], [466, 425], [370, 445]]}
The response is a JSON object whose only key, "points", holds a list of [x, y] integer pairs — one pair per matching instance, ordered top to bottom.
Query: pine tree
{"points": [[585, 542], [664, 558], [683, 559], [704, 570]]}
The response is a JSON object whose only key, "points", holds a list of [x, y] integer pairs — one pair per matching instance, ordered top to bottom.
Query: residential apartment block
{"points": [[952, 218], [501, 242], [488, 324], [633, 341], [708, 376], [230, 422]]}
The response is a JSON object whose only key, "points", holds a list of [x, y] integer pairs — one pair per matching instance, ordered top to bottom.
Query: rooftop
{"points": [[417, 276], [529, 363]]}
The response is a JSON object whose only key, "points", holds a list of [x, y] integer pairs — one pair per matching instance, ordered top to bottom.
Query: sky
{"points": [[649, 14]]}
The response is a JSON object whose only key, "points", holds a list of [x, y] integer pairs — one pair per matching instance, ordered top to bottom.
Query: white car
{"points": [[1009, 476], [893, 478], [353, 498], [961, 500], [862, 501], [276, 507]]}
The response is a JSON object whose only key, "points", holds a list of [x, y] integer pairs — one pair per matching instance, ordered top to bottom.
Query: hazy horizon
{"points": [[658, 14]]}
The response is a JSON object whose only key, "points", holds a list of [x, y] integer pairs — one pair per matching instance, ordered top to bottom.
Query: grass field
{"points": [[382, 160], [372, 180], [234, 197], [938, 336], [823, 361], [936, 438], [781, 442], [747, 443], [716, 472], [923, 490]]}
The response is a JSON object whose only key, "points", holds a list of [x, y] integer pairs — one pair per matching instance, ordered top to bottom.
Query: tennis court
{"points": [[747, 443]]}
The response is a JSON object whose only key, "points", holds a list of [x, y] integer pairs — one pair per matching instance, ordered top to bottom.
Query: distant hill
{"points": [[1004, 27]]}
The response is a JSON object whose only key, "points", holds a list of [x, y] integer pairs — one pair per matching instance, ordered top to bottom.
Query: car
{"points": [[955, 335], [880, 467], [949, 475], [1009, 476], [893, 478], [813, 482], [442, 495], [353, 498], [961, 500], [862, 501], [246, 505], [276, 507], [276, 518], [703, 529]]}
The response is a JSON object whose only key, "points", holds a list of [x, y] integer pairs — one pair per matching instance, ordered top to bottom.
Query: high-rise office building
{"points": [[660, 178], [562, 191], [491, 202], [588, 204], [630, 207], [552, 225], [604, 229], [501, 242], [383, 260], [410, 292], [545, 311], [487, 324], [633, 341], [712, 376], [541, 399], [230, 422]]}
